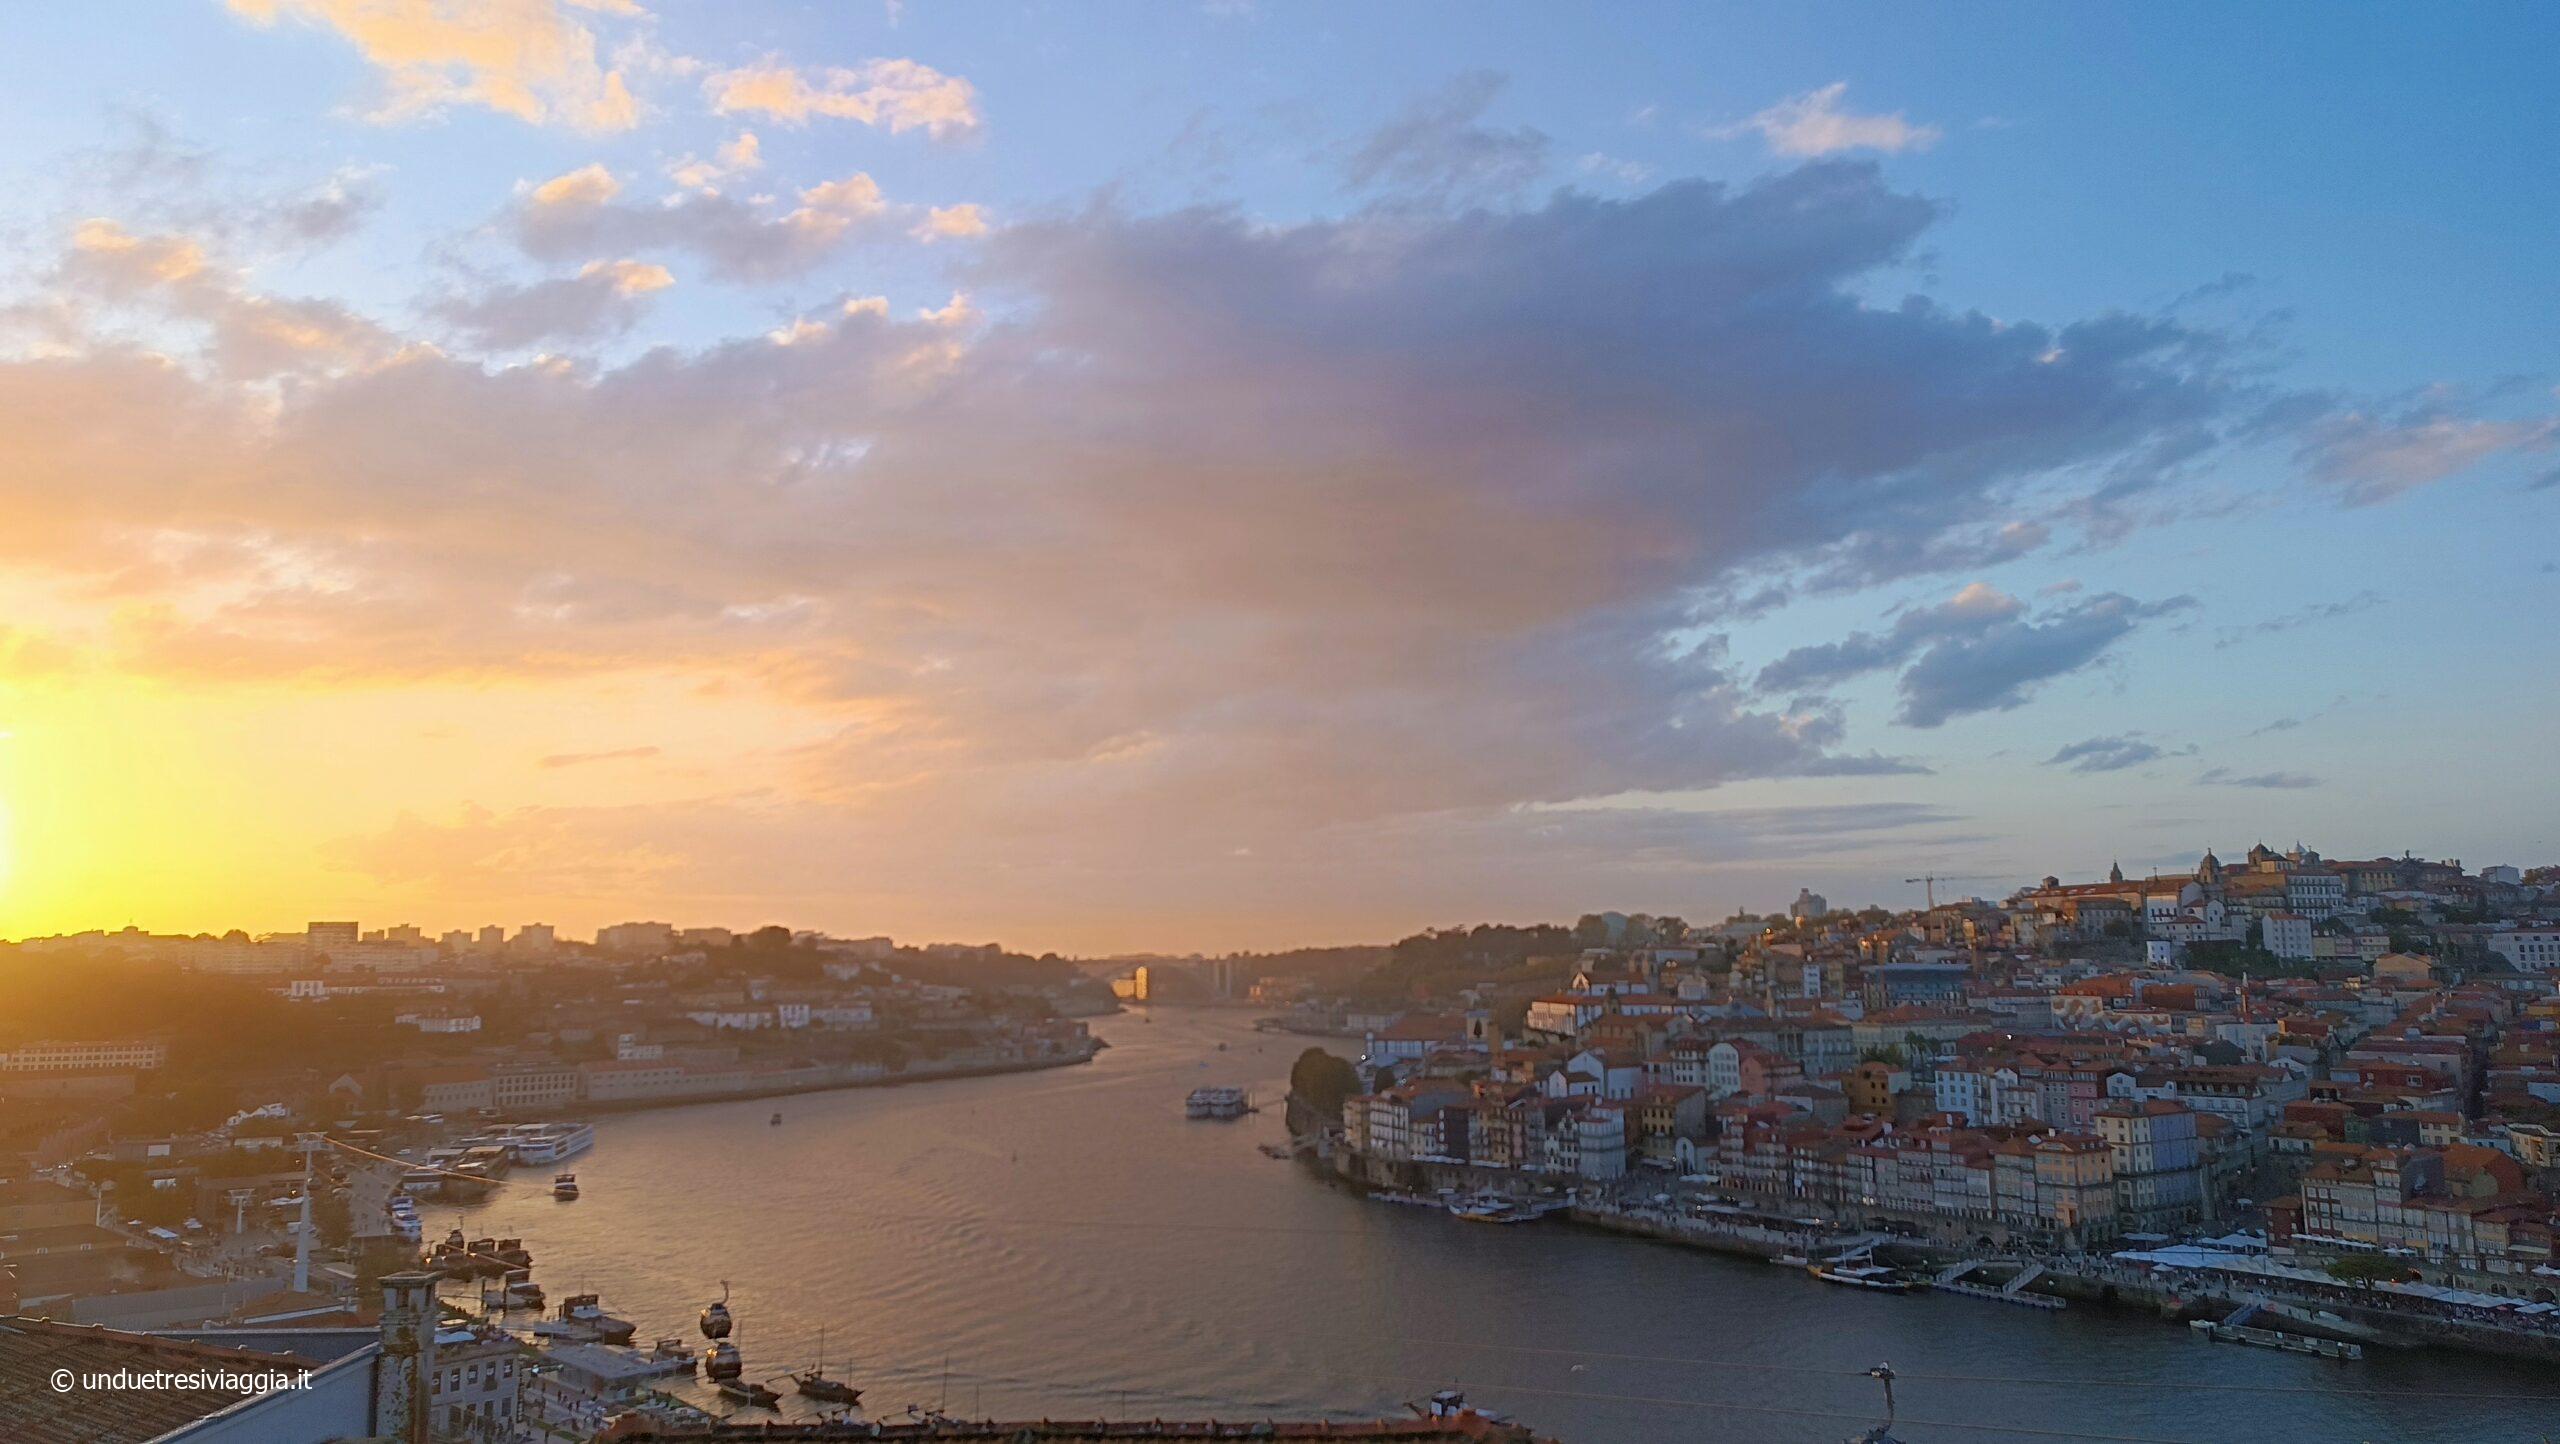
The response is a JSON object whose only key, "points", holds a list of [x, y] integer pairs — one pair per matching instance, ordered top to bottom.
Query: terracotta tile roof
{"points": [[31, 1412]]}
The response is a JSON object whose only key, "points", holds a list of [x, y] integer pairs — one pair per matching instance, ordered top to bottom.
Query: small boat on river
{"points": [[1862, 1276]]}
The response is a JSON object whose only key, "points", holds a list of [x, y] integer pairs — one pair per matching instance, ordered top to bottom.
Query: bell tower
{"points": [[408, 1357]]}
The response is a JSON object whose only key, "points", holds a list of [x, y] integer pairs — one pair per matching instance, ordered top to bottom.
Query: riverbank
{"points": [[1300, 1028], [901, 1078], [1070, 1241], [2177, 1296]]}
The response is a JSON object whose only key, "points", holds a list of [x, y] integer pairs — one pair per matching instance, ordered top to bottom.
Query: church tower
{"points": [[408, 1357]]}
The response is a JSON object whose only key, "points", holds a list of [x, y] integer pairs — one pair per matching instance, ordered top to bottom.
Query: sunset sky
{"points": [[1244, 474]]}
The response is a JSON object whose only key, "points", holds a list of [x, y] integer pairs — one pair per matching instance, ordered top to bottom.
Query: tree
{"points": [[1322, 1081], [330, 1217], [2367, 1269]]}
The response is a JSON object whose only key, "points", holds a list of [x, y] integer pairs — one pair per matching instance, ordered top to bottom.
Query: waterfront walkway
{"points": [[2171, 1282]]}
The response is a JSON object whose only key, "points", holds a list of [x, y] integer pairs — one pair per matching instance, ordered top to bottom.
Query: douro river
{"points": [[1067, 1244]]}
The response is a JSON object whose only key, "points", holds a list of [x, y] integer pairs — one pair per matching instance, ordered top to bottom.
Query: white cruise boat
{"points": [[1218, 1103], [534, 1143], [1862, 1276]]}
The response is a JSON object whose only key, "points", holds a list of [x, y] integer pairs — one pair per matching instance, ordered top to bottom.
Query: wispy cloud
{"points": [[537, 60], [895, 95], [1814, 124], [1440, 146], [1619, 169], [582, 214], [604, 298], [250, 335], [2371, 455], [2363, 601], [1978, 651], [2107, 754], [556, 760], [2279, 781]]}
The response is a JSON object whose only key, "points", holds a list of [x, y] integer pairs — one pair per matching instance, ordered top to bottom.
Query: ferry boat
{"points": [[1219, 1103], [547, 1142], [470, 1183], [564, 1187], [1409, 1200], [1493, 1208], [480, 1257], [1862, 1276], [520, 1292], [582, 1316], [669, 1359]]}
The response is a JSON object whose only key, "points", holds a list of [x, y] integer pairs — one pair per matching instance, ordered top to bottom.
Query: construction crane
{"points": [[1930, 880]]}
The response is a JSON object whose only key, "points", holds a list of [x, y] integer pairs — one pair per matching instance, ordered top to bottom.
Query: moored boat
{"points": [[1221, 1103], [546, 1142], [564, 1187], [1862, 1276], [520, 1292], [587, 1310], [817, 1385], [826, 1390], [746, 1392]]}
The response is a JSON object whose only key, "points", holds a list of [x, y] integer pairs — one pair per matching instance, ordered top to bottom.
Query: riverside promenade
{"points": [[2177, 1286]]}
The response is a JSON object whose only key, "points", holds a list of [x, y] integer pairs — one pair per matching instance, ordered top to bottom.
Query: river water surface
{"points": [[1066, 1243]]}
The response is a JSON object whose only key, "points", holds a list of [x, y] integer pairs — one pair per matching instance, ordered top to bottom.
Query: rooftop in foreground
{"points": [[33, 1412], [1460, 1428]]}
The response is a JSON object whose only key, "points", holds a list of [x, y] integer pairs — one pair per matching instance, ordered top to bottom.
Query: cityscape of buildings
{"points": [[1740, 723], [2288, 1056], [2283, 1073], [213, 1198]]}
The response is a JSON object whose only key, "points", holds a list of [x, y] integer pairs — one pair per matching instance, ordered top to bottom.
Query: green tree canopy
{"points": [[1322, 1081], [2367, 1268]]}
